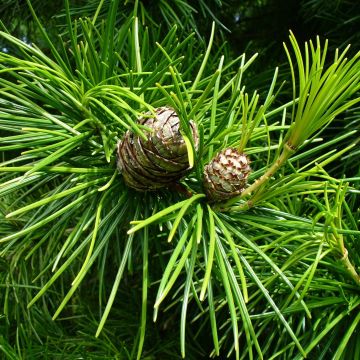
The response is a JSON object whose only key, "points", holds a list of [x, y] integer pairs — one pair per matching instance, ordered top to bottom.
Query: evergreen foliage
{"points": [[86, 263]]}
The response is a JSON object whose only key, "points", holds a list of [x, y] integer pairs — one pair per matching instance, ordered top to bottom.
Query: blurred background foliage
{"points": [[259, 25], [252, 26]]}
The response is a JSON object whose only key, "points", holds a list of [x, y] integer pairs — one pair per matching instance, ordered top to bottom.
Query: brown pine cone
{"points": [[159, 161], [226, 175]]}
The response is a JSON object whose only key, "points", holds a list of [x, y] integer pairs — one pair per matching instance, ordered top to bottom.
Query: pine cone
{"points": [[159, 161], [226, 175]]}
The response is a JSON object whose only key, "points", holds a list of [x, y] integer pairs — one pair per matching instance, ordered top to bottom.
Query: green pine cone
{"points": [[159, 161], [226, 175]]}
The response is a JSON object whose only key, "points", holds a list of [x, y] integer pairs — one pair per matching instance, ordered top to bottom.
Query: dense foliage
{"points": [[86, 263]]}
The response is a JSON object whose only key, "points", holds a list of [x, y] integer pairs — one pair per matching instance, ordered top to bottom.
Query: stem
{"points": [[181, 189], [349, 267]]}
